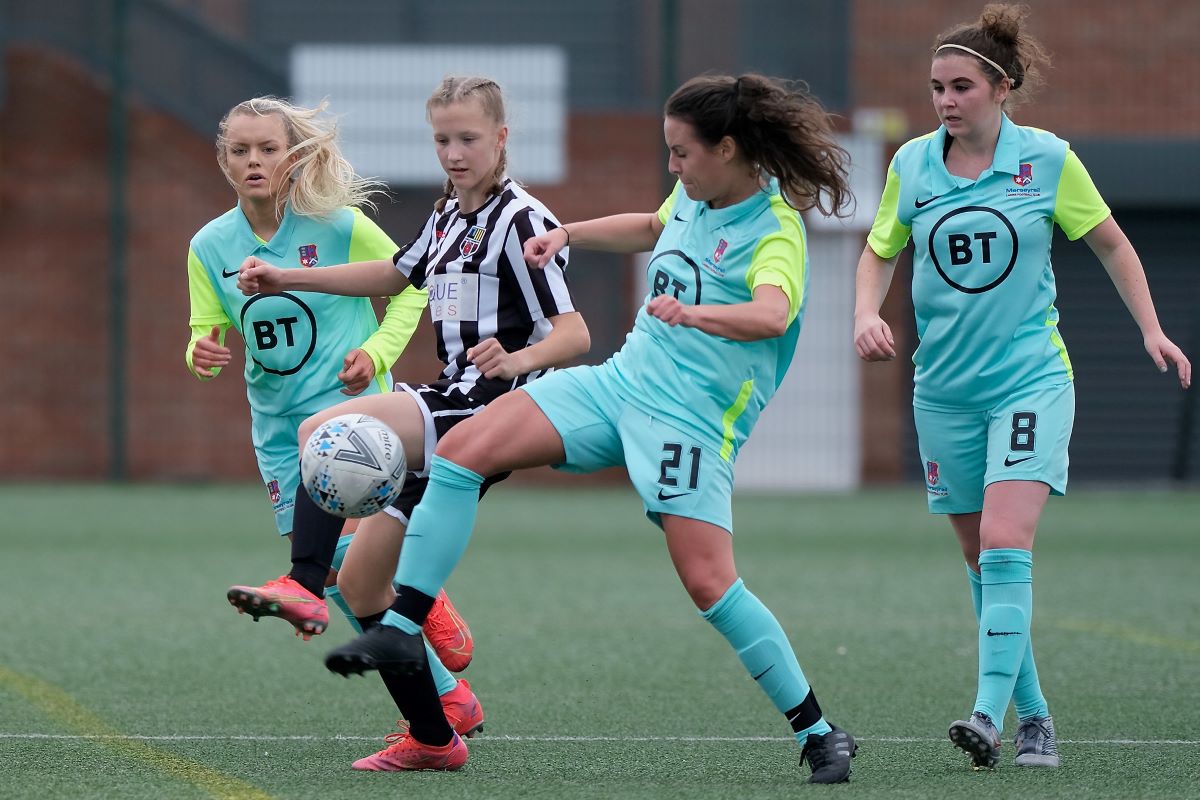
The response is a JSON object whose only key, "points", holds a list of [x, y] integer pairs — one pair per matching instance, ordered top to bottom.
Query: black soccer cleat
{"points": [[379, 647], [829, 756]]}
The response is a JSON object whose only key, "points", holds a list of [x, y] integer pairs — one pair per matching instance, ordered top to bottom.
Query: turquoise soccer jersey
{"points": [[983, 285], [296, 341], [712, 386]]}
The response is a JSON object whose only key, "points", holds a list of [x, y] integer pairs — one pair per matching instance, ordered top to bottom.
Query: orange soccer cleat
{"points": [[283, 598], [448, 634], [462, 710], [406, 753]]}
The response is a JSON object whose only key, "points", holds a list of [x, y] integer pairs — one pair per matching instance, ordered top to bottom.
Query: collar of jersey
{"points": [[1007, 158], [471, 217], [716, 217], [278, 244]]}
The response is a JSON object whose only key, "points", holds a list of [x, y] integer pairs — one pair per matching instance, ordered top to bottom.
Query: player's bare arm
{"points": [[362, 279], [764, 317], [873, 340]]}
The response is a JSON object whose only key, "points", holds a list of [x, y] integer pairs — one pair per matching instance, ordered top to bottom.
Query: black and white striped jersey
{"points": [[480, 286]]}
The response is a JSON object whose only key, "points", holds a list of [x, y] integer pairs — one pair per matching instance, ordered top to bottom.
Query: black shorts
{"points": [[444, 405]]}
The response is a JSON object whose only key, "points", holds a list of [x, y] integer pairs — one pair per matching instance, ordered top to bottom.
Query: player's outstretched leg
{"points": [[299, 596], [754, 633], [978, 738], [1036, 744]]}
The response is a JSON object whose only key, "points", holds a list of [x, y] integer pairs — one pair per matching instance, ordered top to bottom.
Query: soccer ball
{"points": [[353, 465]]}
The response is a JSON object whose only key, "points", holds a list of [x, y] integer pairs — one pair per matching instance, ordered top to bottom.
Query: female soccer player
{"points": [[297, 206], [499, 325], [994, 401], [674, 405]]}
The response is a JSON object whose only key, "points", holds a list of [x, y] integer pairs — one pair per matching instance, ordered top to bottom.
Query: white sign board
{"points": [[379, 92]]}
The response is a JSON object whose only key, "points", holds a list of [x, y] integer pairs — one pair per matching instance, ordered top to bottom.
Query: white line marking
{"points": [[550, 739]]}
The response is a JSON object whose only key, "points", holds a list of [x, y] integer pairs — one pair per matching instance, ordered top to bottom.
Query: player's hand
{"points": [[540, 249], [256, 276], [670, 311], [873, 339], [1163, 352], [208, 354], [493, 360], [358, 369]]}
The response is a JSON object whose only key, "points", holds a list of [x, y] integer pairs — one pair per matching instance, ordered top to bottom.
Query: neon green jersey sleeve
{"points": [[668, 205], [1078, 206], [888, 234], [369, 243], [779, 258], [206, 310]]}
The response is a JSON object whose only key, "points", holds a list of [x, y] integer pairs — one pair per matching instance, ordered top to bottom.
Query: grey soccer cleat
{"points": [[977, 737], [1036, 744], [828, 755]]}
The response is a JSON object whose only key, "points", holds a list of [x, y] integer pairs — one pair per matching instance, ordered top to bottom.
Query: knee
{"points": [[306, 429], [705, 589]]}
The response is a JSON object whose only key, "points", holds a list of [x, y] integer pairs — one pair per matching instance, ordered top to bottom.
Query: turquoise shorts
{"points": [[1023, 438], [278, 452], [671, 469]]}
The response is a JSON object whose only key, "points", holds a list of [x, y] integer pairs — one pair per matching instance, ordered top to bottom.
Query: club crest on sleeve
{"points": [[1025, 176], [470, 243], [308, 255], [273, 490]]}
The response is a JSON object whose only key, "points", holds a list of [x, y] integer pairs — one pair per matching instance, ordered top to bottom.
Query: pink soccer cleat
{"points": [[283, 598], [448, 634], [462, 710], [406, 753]]}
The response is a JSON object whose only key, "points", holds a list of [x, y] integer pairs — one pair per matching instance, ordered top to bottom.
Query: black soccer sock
{"points": [[315, 535], [412, 604], [417, 698]]}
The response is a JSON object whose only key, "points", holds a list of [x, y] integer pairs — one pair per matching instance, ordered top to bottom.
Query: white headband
{"points": [[981, 56]]}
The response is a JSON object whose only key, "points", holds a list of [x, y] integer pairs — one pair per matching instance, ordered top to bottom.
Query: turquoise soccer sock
{"points": [[437, 536], [339, 552], [333, 594], [1006, 608], [759, 641], [442, 678], [1027, 693]]}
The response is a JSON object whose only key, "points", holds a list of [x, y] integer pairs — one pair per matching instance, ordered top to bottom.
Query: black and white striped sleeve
{"points": [[413, 258], [544, 291]]}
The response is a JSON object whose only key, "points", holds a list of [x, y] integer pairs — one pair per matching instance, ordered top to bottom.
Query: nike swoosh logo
{"points": [[923, 203], [679, 218], [225, 274], [1011, 462], [662, 496], [991, 632], [764, 672]]}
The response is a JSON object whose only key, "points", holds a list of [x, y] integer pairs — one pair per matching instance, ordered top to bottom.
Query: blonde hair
{"points": [[458, 89], [321, 180]]}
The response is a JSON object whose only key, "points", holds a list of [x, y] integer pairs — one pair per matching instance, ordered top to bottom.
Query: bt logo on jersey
{"points": [[973, 248]]}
